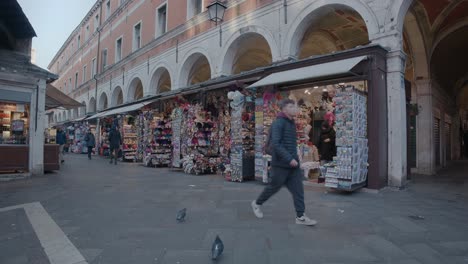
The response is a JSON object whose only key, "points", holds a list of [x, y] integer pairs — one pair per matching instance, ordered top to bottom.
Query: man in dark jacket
{"points": [[61, 140], [115, 140], [90, 142], [326, 145], [285, 163]]}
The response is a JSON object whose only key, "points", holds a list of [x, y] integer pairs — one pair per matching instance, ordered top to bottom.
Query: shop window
{"points": [[194, 7], [108, 9], [96, 22], [161, 25], [87, 33], [137, 37], [118, 50], [104, 59], [94, 68], [84, 74], [14, 123]]}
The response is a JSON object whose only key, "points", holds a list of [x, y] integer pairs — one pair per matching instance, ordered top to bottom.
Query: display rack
{"points": [[176, 137], [243, 142], [129, 143], [160, 149], [199, 150], [349, 169]]}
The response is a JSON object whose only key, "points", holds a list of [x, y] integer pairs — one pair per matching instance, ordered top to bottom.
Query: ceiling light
{"points": [[316, 87]]}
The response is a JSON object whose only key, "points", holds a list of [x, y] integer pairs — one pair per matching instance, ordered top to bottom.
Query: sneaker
{"points": [[257, 210], [304, 220]]}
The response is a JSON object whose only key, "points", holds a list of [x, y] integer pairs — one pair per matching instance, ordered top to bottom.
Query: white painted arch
{"points": [[301, 22], [227, 53], [190, 58], [156, 74], [131, 87], [115, 96], [103, 102]]}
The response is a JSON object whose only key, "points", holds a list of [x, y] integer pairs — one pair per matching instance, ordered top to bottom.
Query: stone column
{"points": [[396, 100], [36, 129], [424, 130]]}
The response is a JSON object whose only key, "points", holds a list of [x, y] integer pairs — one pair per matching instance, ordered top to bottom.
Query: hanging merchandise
{"points": [[266, 108], [177, 115], [129, 135], [243, 140], [104, 146], [159, 150], [201, 156], [349, 169]]}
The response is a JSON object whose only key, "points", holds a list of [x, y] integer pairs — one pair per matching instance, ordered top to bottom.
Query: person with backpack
{"points": [[115, 141], [90, 142], [282, 145]]}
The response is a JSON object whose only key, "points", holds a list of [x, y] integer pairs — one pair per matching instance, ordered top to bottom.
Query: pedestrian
{"points": [[61, 140], [115, 141], [90, 142], [326, 145], [285, 168]]}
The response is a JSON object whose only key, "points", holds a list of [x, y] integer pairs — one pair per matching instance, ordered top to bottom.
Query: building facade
{"points": [[125, 50]]}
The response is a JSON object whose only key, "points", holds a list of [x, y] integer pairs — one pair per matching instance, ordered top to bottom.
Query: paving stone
{"points": [[126, 214], [403, 224], [382, 247], [455, 248], [424, 253]]}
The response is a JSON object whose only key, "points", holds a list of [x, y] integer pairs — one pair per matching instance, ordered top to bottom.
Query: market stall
{"points": [[333, 96]]}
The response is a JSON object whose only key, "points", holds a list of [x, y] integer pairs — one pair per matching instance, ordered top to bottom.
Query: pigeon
{"points": [[181, 215], [217, 248]]}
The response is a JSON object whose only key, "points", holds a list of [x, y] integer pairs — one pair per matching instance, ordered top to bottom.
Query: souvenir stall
{"points": [[177, 117], [105, 125], [77, 134], [155, 136], [129, 137], [204, 137], [242, 156], [320, 161], [348, 170]]}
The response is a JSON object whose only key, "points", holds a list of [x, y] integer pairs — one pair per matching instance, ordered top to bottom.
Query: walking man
{"points": [[61, 139], [115, 140], [90, 142], [285, 163]]}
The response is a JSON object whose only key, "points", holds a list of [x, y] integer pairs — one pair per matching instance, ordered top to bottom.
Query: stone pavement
{"points": [[126, 214]]}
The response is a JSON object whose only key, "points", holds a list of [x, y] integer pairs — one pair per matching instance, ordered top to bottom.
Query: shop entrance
{"points": [[331, 131]]}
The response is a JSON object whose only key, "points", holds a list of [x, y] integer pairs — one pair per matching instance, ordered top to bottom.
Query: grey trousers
{"points": [[292, 179]]}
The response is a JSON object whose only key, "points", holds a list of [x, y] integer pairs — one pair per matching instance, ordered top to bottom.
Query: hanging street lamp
{"points": [[216, 12]]}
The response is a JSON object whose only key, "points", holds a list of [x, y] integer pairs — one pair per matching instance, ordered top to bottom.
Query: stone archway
{"points": [[313, 13], [329, 29], [247, 52], [196, 69], [161, 81], [135, 90], [117, 96], [103, 103], [92, 105]]}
